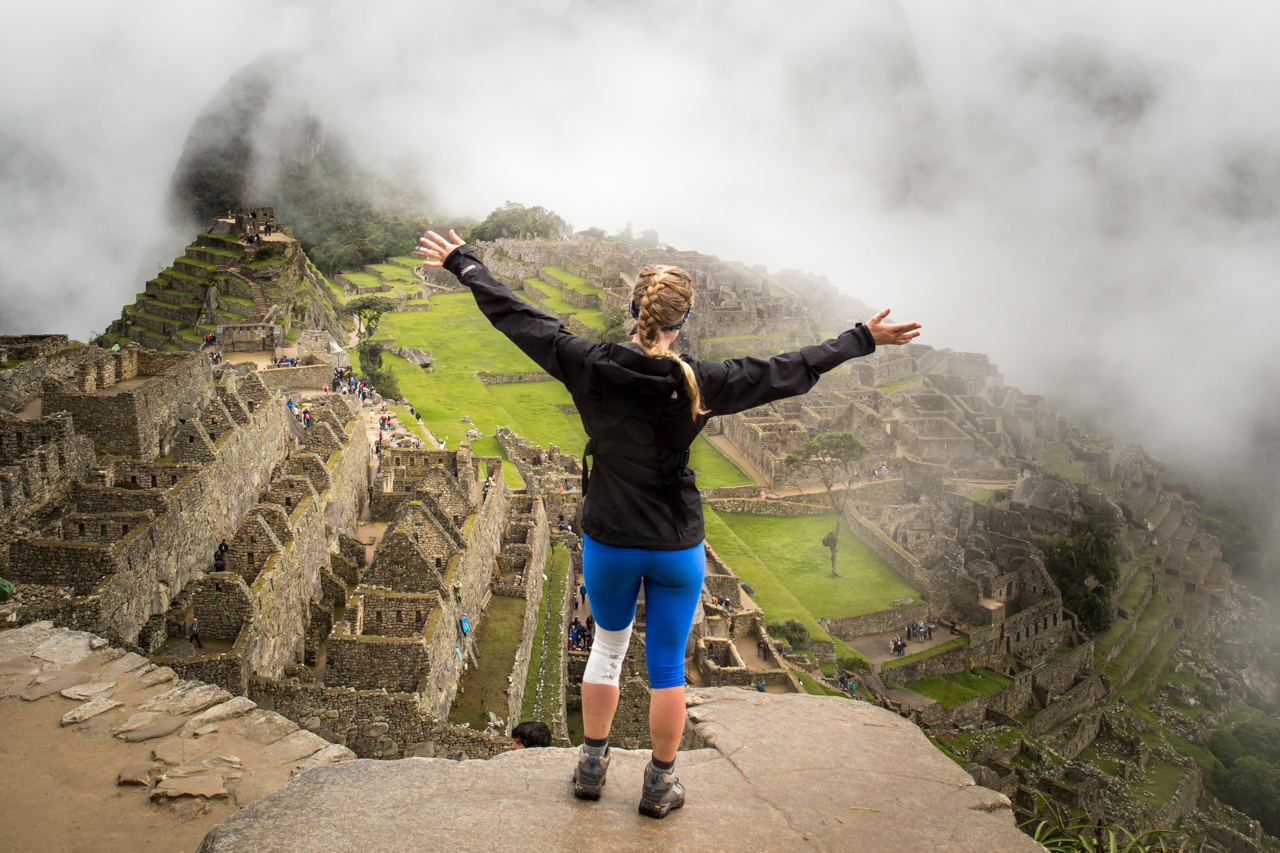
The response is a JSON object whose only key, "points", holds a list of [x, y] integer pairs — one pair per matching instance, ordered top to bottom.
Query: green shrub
{"points": [[793, 631], [852, 663]]}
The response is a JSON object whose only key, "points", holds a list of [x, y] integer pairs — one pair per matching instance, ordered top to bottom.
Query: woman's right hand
{"points": [[438, 247], [895, 334]]}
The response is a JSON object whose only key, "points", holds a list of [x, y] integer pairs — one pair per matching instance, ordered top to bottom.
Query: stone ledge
{"points": [[770, 772]]}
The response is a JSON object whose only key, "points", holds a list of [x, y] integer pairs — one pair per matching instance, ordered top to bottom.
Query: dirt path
{"points": [[60, 788], [60, 791]]}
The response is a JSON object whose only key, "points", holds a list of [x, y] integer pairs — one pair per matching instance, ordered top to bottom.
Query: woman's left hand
{"points": [[438, 247], [891, 333]]}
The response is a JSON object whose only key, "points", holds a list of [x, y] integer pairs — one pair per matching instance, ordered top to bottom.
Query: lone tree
{"points": [[369, 309], [833, 457]]}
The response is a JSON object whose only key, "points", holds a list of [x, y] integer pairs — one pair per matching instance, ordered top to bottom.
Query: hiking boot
{"points": [[588, 776], [662, 792]]}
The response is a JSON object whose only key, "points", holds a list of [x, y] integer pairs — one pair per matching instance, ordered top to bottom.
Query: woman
{"points": [[642, 406]]}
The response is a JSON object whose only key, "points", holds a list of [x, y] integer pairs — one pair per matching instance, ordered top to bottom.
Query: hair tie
{"points": [[678, 326]]}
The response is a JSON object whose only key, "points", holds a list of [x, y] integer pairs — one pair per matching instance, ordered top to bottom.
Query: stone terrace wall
{"points": [[33, 346], [307, 376], [487, 378], [22, 384], [140, 422], [38, 459], [755, 506], [539, 542], [895, 555], [159, 559], [291, 577], [851, 627], [942, 663], [1076, 701], [373, 723]]}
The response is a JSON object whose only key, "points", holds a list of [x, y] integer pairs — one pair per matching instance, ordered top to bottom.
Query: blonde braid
{"points": [[663, 296]]}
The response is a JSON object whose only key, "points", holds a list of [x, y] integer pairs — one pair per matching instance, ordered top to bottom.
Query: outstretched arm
{"points": [[539, 335], [744, 383]]}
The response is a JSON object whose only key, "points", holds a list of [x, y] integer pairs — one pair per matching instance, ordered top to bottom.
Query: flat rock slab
{"points": [[22, 642], [67, 647], [125, 665], [156, 676], [56, 684], [82, 692], [187, 698], [237, 706], [89, 710], [159, 728], [295, 747], [138, 773], [776, 773], [208, 785]]}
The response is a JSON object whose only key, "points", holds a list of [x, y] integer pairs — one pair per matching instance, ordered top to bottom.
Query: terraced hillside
{"points": [[223, 280]]}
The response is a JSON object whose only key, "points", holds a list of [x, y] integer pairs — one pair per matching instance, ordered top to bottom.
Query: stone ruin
{"points": [[114, 498]]}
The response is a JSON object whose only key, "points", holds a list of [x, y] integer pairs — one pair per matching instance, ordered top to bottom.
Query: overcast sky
{"points": [[1086, 191]]}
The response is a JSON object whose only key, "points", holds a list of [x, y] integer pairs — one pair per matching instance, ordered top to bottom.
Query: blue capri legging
{"points": [[672, 585]]}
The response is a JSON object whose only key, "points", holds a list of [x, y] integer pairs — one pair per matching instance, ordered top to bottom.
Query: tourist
{"points": [[642, 513], [223, 547], [929, 632], [193, 633], [760, 686], [531, 734]]}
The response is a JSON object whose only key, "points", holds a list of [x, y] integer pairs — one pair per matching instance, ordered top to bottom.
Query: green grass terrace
{"points": [[462, 342], [784, 561]]}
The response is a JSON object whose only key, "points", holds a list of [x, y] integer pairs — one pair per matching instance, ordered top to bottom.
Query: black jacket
{"points": [[636, 412]]}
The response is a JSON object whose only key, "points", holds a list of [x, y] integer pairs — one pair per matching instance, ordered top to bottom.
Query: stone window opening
{"points": [[213, 436], [191, 439], [134, 479], [173, 479], [153, 481], [288, 502], [457, 519], [81, 529], [104, 530], [124, 530], [250, 557], [439, 562], [399, 615], [1055, 620], [418, 621]]}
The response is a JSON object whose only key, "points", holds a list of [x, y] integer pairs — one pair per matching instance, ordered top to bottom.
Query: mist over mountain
{"points": [[258, 142]]}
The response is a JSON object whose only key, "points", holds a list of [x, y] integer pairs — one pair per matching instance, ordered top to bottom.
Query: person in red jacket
{"points": [[642, 406]]}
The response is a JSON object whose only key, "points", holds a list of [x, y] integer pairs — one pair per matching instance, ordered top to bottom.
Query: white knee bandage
{"points": [[604, 666]]}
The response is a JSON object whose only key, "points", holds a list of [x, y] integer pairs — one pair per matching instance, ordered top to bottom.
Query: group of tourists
{"points": [[215, 357], [284, 361], [345, 382], [302, 415], [881, 473], [561, 524], [220, 556], [722, 601], [920, 631], [581, 637]]}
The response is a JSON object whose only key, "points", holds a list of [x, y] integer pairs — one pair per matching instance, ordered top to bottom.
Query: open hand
{"points": [[438, 247], [891, 333]]}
